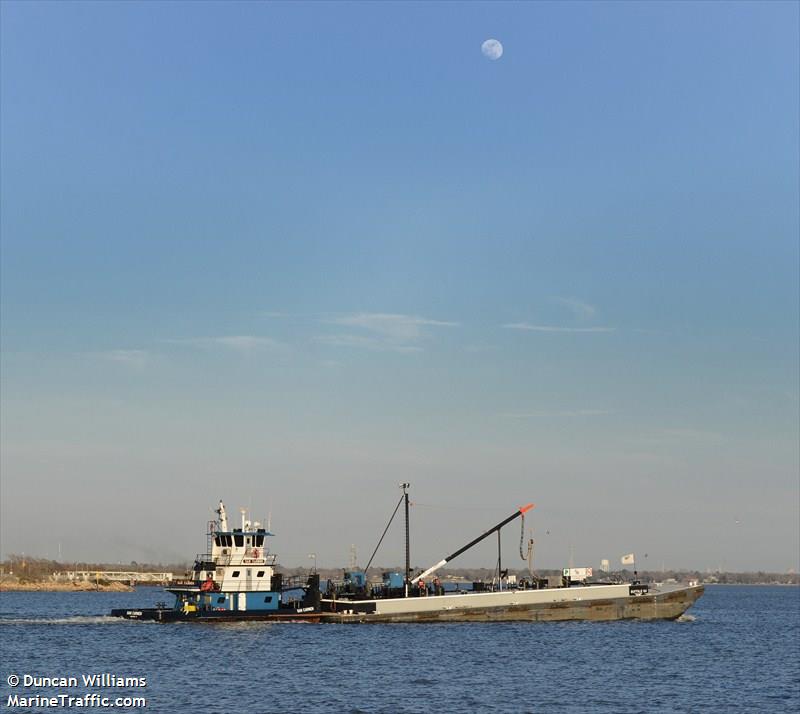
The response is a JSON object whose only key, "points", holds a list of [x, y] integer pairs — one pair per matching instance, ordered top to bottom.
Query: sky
{"points": [[289, 255]]}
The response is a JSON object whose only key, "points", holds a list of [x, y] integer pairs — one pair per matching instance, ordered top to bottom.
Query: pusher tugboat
{"points": [[235, 580]]}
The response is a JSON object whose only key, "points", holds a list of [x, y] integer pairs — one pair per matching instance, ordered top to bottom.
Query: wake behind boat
{"points": [[236, 580]]}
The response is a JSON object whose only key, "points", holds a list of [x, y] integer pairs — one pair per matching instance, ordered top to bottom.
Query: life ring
{"points": [[255, 553]]}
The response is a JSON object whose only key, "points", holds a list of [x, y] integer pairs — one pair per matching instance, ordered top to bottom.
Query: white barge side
{"points": [[589, 602]]}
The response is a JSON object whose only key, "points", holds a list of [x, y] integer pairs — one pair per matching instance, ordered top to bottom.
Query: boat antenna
{"points": [[405, 487], [223, 516]]}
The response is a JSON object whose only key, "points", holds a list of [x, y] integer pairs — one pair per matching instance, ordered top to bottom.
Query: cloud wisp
{"points": [[579, 308], [400, 327], [555, 328], [382, 331], [366, 342], [243, 344], [134, 359], [550, 414]]}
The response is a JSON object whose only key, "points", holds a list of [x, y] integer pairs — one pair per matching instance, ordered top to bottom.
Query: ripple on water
{"points": [[735, 635]]}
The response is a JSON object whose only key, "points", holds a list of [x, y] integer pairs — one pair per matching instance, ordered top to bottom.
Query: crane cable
{"points": [[522, 539], [522, 554]]}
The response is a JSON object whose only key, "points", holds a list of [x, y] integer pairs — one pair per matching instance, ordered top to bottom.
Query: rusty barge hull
{"points": [[519, 606]]}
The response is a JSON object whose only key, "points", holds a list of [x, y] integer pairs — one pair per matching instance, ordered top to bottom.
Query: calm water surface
{"points": [[739, 651]]}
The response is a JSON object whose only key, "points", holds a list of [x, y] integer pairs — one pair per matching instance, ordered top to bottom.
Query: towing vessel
{"points": [[236, 580]]}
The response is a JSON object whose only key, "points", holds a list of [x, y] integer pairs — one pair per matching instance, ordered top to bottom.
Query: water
{"points": [[738, 650]]}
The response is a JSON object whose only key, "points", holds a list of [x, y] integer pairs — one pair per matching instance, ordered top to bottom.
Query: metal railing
{"points": [[253, 556], [115, 575]]}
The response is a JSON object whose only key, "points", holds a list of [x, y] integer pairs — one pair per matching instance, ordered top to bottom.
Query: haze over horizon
{"points": [[290, 255]]}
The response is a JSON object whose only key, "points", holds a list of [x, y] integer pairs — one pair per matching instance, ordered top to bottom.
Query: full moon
{"points": [[492, 49]]}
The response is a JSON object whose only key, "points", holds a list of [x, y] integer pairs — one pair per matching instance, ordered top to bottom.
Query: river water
{"points": [[737, 650]]}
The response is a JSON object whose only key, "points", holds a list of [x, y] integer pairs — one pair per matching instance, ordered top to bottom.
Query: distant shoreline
{"points": [[39, 574], [760, 585], [83, 586], [66, 587]]}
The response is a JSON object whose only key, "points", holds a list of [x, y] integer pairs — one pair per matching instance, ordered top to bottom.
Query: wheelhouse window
{"points": [[239, 540]]}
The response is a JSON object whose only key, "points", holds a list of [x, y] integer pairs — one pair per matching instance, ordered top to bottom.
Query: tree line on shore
{"points": [[26, 568], [31, 569]]}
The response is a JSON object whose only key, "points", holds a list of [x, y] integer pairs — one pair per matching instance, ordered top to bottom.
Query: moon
{"points": [[492, 49]]}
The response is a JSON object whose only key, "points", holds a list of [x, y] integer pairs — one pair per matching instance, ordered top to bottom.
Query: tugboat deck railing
{"points": [[248, 558]]}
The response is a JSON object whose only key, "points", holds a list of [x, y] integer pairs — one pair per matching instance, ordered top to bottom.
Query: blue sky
{"points": [[291, 254]]}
